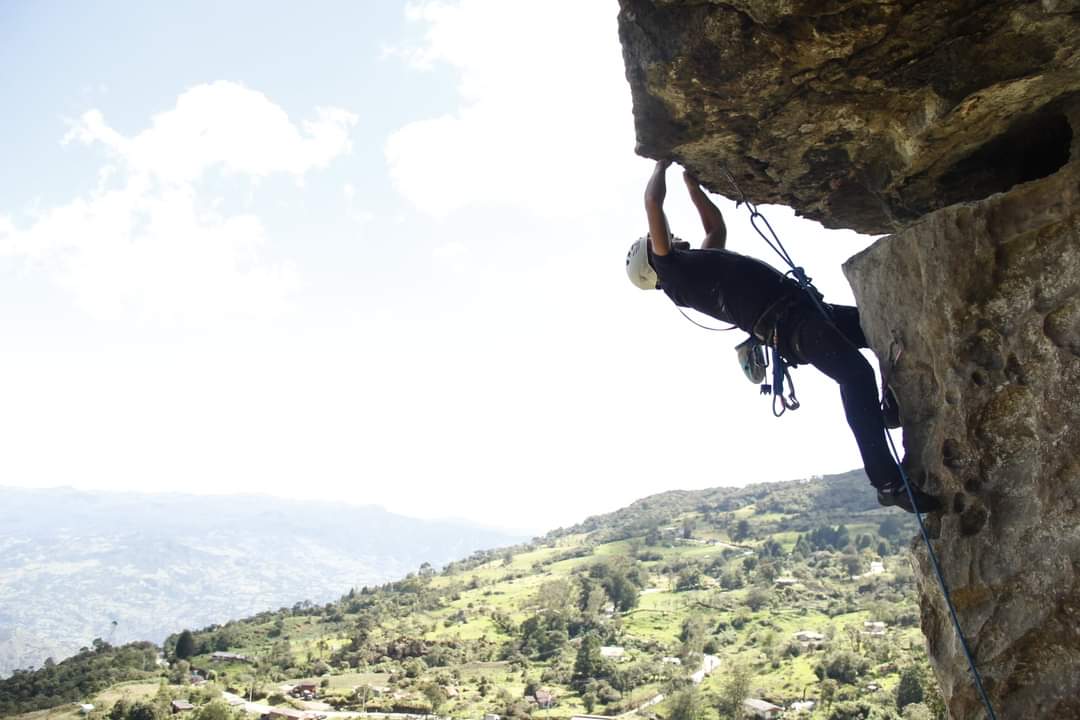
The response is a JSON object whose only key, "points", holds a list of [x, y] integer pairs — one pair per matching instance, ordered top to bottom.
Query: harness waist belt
{"points": [[765, 326]]}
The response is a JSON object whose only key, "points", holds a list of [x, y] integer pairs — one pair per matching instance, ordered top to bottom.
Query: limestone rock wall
{"points": [[954, 124], [985, 299]]}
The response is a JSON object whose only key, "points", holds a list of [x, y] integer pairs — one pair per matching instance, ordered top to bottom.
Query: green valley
{"points": [[796, 596]]}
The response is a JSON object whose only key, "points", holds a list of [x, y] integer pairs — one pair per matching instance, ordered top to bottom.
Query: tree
{"points": [[741, 531], [768, 571], [689, 579], [558, 596], [757, 598], [692, 636], [185, 645], [589, 664], [843, 666], [180, 674], [910, 688], [733, 690], [828, 692], [435, 695], [686, 705], [119, 710], [144, 710], [216, 710], [851, 710], [916, 711]]}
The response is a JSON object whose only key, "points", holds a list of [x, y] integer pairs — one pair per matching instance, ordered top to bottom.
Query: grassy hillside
{"points": [[771, 587]]}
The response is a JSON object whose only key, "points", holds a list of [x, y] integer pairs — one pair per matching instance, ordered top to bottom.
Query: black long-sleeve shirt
{"points": [[728, 286]]}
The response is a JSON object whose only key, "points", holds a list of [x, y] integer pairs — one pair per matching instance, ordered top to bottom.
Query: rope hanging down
{"points": [[806, 284], [934, 560]]}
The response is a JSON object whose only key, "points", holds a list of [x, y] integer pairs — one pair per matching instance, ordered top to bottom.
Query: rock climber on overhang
{"points": [[774, 309]]}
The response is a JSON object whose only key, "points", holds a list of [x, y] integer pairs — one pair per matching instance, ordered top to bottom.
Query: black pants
{"points": [[833, 348]]}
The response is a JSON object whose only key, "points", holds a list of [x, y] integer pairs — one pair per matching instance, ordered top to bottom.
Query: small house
{"points": [[612, 652], [307, 689], [179, 706], [86, 708], [761, 709], [282, 713]]}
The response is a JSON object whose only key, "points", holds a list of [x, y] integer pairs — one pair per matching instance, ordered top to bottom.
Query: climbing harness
{"points": [[771, 318], [894, 356]]}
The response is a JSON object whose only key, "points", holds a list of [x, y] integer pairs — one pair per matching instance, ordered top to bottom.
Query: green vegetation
{"points": [[771, 586], [91, 671]]}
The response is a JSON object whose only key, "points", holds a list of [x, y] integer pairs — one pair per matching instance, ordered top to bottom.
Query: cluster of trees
{"points": [[574, 607], [91, 671], [158, 709]]}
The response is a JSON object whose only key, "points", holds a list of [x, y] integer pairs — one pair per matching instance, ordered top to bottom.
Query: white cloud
{"points": [[544, 123], [224, 124], [144, 242]]}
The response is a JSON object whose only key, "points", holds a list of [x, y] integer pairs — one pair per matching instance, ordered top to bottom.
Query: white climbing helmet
{"points": [[638, 269]]}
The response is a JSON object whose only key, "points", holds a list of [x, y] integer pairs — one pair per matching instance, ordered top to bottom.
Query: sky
{"points": [[362, 251]]}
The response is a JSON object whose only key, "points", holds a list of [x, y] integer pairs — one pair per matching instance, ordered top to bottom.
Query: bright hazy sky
{"points": [[370, 251]]}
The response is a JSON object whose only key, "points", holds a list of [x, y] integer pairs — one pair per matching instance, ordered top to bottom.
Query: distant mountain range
{"points": [[124, 566]]}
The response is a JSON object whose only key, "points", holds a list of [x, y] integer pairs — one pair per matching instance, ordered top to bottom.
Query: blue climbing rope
{"points": [[806, 284]]}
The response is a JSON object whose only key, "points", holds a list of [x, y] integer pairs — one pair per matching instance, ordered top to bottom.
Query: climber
{"points": [[755, 297]]}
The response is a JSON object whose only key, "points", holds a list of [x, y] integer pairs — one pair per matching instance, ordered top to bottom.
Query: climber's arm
{"points": [[655, 192], [711, 218]]}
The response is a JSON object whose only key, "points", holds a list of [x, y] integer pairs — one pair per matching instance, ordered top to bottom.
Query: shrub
{"points": [[843, 666]]}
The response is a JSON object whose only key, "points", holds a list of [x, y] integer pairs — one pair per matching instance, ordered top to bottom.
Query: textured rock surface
{"points": [[859, 114], [955, 124], [985, 299]]}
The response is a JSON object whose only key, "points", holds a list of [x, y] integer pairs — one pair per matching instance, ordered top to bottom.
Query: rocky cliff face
{"points": [[858, 113], [956, 126]]}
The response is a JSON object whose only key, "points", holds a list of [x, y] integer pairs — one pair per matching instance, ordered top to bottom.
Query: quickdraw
{"points": [[780, 373]]}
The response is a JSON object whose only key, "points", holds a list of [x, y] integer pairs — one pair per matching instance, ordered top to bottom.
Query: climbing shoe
{"points": [[890, 409], [898, 496]]}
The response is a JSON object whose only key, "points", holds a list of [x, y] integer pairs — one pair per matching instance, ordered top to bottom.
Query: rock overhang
{"points": [[858, 114]]}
